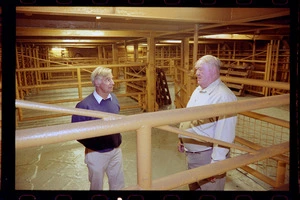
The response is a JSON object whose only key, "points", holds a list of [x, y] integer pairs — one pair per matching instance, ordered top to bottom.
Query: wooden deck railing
{"points": [[142, 124]]}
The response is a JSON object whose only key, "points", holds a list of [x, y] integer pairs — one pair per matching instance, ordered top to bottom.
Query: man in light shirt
{"points": [[211, 90]]}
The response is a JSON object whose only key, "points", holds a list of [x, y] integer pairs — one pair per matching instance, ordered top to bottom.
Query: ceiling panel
{"points": [[132, 24]]}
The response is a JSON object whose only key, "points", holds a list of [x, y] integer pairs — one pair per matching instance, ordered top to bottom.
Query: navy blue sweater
{"points": [[101, 142]]}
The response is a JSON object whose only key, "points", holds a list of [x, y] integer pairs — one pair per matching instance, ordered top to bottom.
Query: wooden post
{"points": [[195, 47], [234, 47], [253, 49], [23, 52], [126, 52], [136, 52], [99, 54], [104, 55], [162, 56], [35, 61], [186, 65], [275, 65], [268, 66], [115, 70], [19, 74], [151, 75], [39, 77], [32, 82], [79, 83], [19, 110], [144, 167], [280, 176]]}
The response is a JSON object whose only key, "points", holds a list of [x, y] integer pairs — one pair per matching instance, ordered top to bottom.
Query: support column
{"points": [[195, 50], [136, 52], [99, 54], [115, 70], [151, 76], [187, 76], [79, 83], [144, 168], [280, 176]]}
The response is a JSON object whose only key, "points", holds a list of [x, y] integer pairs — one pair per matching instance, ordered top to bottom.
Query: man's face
{"points": [[204, 74], [105, 84]]}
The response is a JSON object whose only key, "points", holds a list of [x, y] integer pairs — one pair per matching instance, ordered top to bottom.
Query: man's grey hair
{"points": [[210, 60], [101, 72]]}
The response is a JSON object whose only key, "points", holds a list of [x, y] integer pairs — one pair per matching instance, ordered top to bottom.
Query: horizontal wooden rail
{"points": [[70, 67], [256, 82], [74, 84], [65, 111], [272, 120], [142, 123], [66, 132], [206, 139], [256, 147], [206, 171], [259, 175]]}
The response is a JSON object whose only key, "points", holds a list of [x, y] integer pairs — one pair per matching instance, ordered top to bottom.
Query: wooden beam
{"points": [[157, 13], [52, 32], [57, 41], [73, 131], [206, 171]]}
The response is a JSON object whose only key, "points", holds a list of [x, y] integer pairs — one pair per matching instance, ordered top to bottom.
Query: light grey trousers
{"points": [[199, 159], [110, 163]]}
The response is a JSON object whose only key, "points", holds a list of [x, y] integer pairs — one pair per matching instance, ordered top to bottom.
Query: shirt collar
{"points": [[211, 87], [99, 98]]}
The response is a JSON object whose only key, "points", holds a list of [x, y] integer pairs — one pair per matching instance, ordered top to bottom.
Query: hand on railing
{"points": [[180, 147], [212, 179]]}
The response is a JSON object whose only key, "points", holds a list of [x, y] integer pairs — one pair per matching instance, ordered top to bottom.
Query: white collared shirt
{"points": [[99, 98], [222, 128]]}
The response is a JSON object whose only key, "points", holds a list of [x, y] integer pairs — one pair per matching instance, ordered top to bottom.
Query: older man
{"points": [[211, 90], [102, 154]]}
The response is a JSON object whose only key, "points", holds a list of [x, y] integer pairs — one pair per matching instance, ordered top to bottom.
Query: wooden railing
{"points": [[79, 77], [142, 124]]}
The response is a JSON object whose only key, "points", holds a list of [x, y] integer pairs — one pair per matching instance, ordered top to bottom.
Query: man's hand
{"points": [[180, 147], [212, 179]]}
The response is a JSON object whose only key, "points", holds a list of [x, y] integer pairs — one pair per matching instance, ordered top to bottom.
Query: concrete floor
{"points": [[61, 166]]}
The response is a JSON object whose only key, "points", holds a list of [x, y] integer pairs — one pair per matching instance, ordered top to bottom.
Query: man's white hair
{"points": [[210, 60], [101, 72]]}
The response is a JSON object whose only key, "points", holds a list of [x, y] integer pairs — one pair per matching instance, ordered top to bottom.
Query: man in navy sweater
{"points": [[102, 154]]}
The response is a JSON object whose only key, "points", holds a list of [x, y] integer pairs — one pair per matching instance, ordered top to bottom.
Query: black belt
{"points": [[105, 150], [100, 151], [197, 152]]}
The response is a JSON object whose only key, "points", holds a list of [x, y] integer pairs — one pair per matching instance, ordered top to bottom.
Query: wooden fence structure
{"points": [[143, 123]]}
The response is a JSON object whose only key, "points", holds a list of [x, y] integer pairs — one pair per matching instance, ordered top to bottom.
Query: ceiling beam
{"points": [[197, 15], [51, 32]]}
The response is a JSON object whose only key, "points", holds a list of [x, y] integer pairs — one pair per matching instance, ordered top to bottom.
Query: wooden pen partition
{"points": [[130, 81], [257, 131]]}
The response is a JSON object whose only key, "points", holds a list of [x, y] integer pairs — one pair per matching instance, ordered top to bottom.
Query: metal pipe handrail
{"points": [[110, 116], [142, 123], [66, 132]]}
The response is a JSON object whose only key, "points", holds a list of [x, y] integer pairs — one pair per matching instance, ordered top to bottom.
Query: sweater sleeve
{"points": [[80, 118]]}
